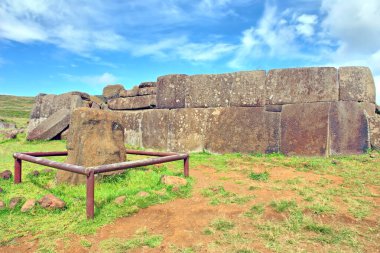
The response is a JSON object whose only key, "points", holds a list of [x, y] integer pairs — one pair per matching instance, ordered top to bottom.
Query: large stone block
{"points": [[356, 84], [302, 85], [248, 88], [112, 91], [171, 91], [205, 91], [131, 103], [47, 105], [132, 122], [374, 126], [51, 127], [348, 128], [154, 129], [187, 129], [243, 129], [304, 129], [96, 138]]}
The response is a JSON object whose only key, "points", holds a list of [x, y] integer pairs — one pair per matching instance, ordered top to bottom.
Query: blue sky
{"points": [[54, 46]]}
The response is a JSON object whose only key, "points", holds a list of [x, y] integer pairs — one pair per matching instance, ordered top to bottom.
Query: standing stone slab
{"points": [[356, 84], [302, 85], [248, 88], [209, 90], [171, 91], [132, 103], [132, 122], [51, 127], [374, 127], [348, 128], [154, 129], [187, 129], [243, 129], [304, 129], [96, 138]]}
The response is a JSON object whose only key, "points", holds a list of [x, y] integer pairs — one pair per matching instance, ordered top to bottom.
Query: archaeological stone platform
{"points": [[300, 111]]}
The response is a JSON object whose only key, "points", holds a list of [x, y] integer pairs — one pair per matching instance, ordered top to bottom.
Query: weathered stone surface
{"points": [[147, 84], [356, 84], [302, 85], [248, 88], [112, 91], [147, 91], [171, 91], [205, 91], [129, 93], [83, 95], [97, 100], [130, 103], [47, 105], [273, 108], [132, 121], [4, 124], [51, 127], [154, 128], [348, 128], [187, 129], [243, 129], [304, 129], [374, 129], [11, 134], [96, 138], [6, 174], [173, 180], [120, 200], [50, 201], [14, 202], [28, 205]]}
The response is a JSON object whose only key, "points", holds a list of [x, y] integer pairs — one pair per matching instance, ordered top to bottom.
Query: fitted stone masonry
{"points": [[318, 111]]}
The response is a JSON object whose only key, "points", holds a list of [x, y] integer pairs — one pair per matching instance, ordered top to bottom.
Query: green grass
{"points": [[16, 109], [263, 176], [218, 195], [283, 205], [49, 226], [141, 239]]}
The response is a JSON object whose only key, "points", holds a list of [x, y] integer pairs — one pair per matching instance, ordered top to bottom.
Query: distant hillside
{"points": [[16, 109]]}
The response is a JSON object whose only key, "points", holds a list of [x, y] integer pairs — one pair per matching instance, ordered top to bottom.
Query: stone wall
{"points": [[301, 111]]}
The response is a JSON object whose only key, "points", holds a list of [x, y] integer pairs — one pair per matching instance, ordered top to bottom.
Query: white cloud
{"points": [[354, 23], [306, 24], [273, 37], [197, 52], [95, 80]]}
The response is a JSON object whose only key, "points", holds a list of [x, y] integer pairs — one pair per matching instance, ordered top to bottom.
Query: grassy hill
{"points": [[16, 109]]}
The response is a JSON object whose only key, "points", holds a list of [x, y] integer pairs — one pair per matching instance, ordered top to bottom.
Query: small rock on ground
{"points": [[35, 173], [6, 174], [173, 180], [143, 194], [120, 200], [14, 202], [51, 202], [2, 205], [28, 205]]}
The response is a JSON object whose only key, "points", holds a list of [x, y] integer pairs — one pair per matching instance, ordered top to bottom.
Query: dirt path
{"points": [[182, 222]]}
